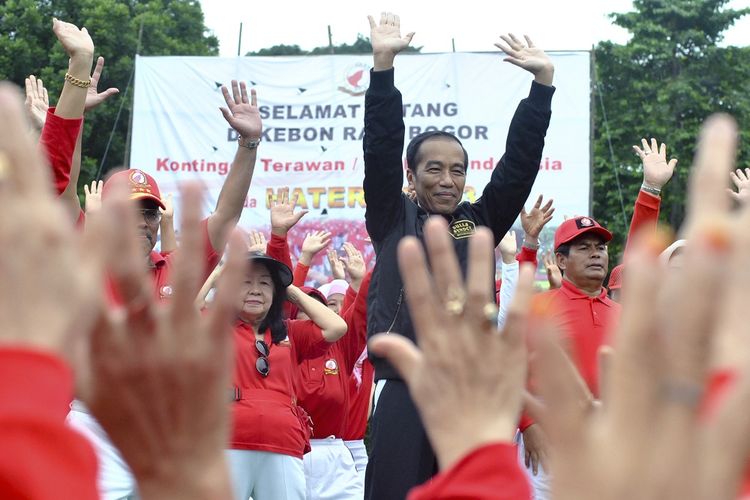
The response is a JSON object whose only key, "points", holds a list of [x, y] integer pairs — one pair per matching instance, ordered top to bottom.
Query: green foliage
{"points": [[170, 27], [360, 46], [663, 83]]}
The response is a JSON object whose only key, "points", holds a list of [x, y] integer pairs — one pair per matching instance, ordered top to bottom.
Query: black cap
{"points": [[275, 266]]}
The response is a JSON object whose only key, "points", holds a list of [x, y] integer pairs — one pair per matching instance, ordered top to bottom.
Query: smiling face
{"points": [[440, 175], [586, 263], [256, 293]]}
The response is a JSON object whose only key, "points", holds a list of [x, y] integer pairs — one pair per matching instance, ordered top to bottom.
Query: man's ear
{"points": [[410, 179], [562, 261]]}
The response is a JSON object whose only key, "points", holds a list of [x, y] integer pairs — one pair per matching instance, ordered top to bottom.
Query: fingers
{"points": [[383, 18], [372, 22], [528, 41], [97, 71], [236, 92], [243, 92], [227, 97], [253, 98], [655, 146], [646, 147], [639, 152], [539, 201], [443, 262], [481, 265], [187, 276], [228, 288], [419, 288], [518, 312], [400, 352]]}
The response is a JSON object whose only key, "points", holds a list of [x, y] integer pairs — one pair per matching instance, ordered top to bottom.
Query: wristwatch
{"points": [[248, 143]]}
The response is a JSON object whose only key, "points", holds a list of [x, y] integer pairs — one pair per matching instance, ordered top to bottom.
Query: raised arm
{"points": [[243, 116], [384, 129], [511, 181], [314, 242], [332, 325]]}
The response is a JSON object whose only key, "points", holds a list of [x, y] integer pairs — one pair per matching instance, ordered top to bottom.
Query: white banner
{"points": [[313, 115]]}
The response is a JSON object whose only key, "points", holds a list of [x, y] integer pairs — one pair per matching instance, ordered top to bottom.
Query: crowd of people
{"points": [[209, 369]]}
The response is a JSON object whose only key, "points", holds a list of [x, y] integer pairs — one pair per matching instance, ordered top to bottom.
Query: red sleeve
{"points": [[58, 141], [645, 214], [278, 249], [527, 255], [212, 258], [300, 274], [355, 315], [307, 339], [35, 391], [525, 422], [490, 472]]}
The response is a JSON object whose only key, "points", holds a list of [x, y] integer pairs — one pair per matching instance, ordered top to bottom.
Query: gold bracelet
{"points": [[84, 84]]}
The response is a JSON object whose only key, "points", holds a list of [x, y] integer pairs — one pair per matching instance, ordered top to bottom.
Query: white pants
{"points": [[359, 452], [330, 471], [265, 475], [115, 481], [541, 483]]}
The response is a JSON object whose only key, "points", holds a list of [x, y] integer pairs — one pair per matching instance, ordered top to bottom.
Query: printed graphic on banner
{"points": [[313, 123]]}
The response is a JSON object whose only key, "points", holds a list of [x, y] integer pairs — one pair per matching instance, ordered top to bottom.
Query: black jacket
{"points": [[390, 215]]}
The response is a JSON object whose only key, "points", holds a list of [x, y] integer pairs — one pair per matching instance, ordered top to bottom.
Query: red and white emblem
{"points": [[356, 80], [138, 177], [586, 222], [166, 291], [331, 367]]}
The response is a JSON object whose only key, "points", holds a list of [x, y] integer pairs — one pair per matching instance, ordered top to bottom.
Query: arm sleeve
{"points": [[58, 141], [383, 146], [514, 175], [645, 215], [278, 248], [300, 274], [510, 280], [307, 339], [355, 340], [35, 391], [488, 473]]}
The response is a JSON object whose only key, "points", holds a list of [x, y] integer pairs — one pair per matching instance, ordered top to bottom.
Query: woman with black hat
{"points": [[270, 433]]}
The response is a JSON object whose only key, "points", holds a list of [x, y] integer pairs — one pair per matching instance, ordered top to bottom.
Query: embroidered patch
{"points": [[584, 222], [460, 229], [331, 367]]}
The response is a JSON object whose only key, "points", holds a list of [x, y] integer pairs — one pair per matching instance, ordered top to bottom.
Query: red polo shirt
{"points": [[585, 322], [323, 383], [267, 418]]}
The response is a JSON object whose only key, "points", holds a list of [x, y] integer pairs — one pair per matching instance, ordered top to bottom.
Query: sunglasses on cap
{"points": [[262, 364]]}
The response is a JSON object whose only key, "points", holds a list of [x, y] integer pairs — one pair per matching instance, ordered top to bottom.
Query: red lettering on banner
{"points": [[202, 166]]}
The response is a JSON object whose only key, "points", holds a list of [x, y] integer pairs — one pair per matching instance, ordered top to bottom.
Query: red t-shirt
{"points": [[58, 141], [585, 323], [323, 382], [266, 418], [41, 456], [488, 473]]}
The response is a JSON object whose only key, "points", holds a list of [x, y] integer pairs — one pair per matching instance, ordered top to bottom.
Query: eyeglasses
{"points": [[152, 216], [262, 364]]}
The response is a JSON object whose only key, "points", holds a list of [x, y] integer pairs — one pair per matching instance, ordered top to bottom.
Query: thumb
{"points": [[408, 37], [299, 215], [401, 352]]}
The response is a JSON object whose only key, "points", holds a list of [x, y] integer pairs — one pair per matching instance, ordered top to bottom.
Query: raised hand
{"points": [[386, 39], [75, 41], [527, 56], [93, 97], [37, 101], [242, 114], [656, 170], [741, 180], [93, 200], [168, 211], [283, 216], [534, 221], [257, 242], [314, 242], [508, 247], [354, 264], [337, 267], [554, 276], [455, 322]]}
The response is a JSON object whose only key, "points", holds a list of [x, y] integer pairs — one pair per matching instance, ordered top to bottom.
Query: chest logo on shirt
{"points": [[461, 229], [165, 291], [331, 367]]}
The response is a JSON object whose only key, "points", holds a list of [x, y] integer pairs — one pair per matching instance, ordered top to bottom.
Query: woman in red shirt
{"points": [[270, 433]]}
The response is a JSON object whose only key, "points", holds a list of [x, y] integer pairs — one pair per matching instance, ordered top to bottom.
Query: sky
{"points": [[475, 26]]}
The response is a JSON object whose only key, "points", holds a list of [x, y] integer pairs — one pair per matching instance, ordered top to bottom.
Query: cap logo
{"points": [[139, 178], [584, 222], [165, 291], [331, 367]]}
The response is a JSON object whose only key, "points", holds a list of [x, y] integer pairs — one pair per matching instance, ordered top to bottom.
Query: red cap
{"points": [[142, 186], [575, 227], [615, 278]]}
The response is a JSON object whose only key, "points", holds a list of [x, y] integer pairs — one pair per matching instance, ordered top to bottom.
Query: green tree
{"points": [[170, 27], [360, 46], [663, 83]]}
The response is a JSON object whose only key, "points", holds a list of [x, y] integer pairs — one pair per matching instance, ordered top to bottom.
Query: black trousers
{"points": [[401, 456]]}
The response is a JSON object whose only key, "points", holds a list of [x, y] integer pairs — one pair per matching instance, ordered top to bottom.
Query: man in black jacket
{"points": [[437, 164]]}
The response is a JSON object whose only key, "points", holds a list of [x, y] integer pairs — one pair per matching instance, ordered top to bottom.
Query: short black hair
{"points": [[412, 150], [563, 249], [274, 319]]}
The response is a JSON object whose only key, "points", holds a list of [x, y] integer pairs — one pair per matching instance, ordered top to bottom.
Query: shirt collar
{"points": [[570, 291]]}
